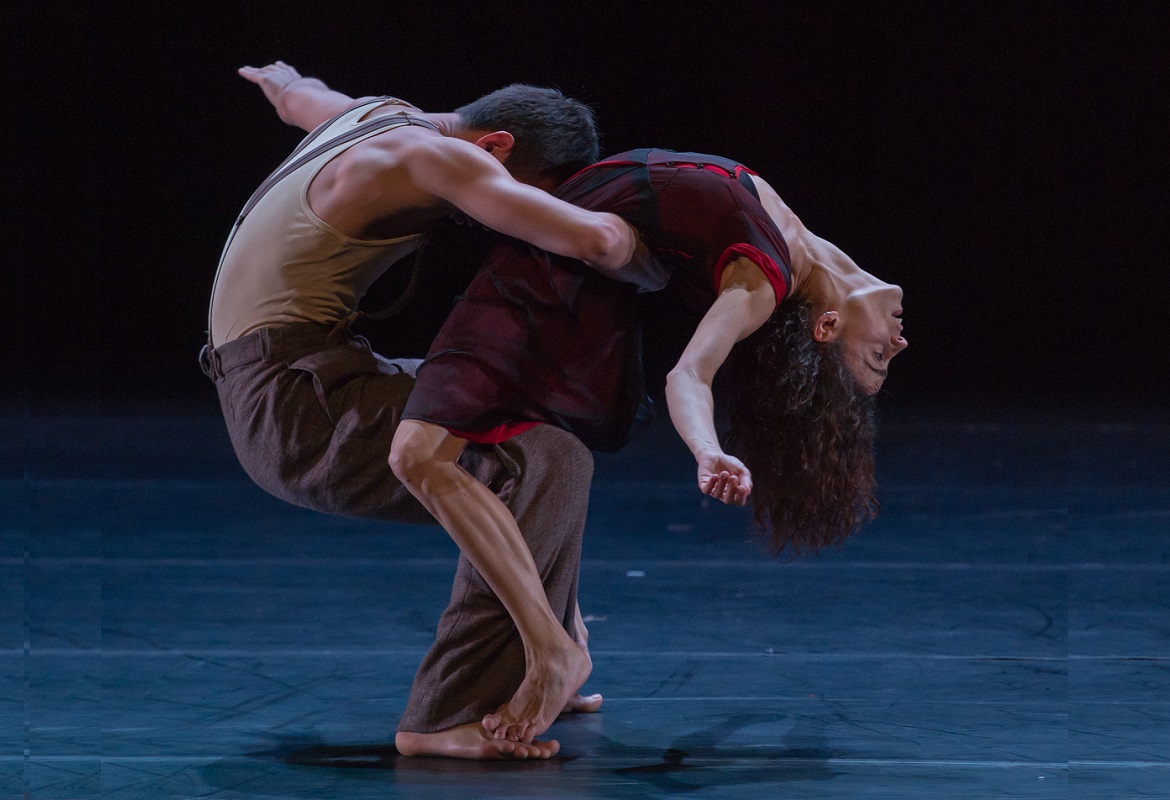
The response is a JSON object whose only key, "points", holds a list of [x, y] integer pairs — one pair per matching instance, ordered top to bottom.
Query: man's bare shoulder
{"points": [[408, 144], [378, 157], [406, 166], [365, 189]]}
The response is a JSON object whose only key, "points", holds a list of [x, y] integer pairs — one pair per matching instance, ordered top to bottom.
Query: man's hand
{"points": [[272, 79], [300, 101], [724, 477]]}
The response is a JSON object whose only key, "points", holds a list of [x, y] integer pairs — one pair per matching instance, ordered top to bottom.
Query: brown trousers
{"points": [[311, 415]]}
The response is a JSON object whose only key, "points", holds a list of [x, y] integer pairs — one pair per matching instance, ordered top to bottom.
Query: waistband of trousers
{"points": [[270, 344]]}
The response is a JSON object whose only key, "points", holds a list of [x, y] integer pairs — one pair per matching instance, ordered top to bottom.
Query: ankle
{"points": [[552, 649]]}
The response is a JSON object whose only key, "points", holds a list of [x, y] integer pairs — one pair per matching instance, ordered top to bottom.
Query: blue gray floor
{"points": [[167, 630]]}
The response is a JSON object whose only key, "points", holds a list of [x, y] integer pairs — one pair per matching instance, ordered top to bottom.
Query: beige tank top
{"points": [[283, 264]]}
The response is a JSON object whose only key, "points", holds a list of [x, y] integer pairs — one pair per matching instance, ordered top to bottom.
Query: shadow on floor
{"points": [[307, 752], [694, 762]]}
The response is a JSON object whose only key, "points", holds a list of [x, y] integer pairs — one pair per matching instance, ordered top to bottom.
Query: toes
{"points": [[584, 704], [497, 728], [522, 732], [540, 749], [516, 750]]}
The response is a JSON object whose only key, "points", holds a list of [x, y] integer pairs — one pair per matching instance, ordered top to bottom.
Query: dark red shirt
{"points": [[542, 338]]}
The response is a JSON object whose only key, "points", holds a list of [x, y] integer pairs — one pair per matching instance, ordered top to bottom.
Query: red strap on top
{"points": [[758, 257], [500, 433]]}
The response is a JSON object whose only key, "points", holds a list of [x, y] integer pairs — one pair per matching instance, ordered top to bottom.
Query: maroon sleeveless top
{"points": [[539, 338]]}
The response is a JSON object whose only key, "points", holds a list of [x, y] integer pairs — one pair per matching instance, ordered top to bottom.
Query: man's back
{"points": [[288, 261]]}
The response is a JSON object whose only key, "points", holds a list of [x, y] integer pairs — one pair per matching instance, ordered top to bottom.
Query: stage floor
{"points": [[1003, 630]]}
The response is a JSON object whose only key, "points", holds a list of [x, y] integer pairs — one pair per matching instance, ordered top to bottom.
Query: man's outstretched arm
{"points": [[300, 101], [470, 179], [478, 185]]}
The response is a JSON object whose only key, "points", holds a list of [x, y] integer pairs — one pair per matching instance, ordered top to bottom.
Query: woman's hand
{"points": [[745, 301], [724, 477]]}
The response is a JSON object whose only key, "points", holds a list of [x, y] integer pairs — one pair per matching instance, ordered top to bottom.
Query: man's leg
{"points": [[322, 444], [423, 458], [477, 661]]}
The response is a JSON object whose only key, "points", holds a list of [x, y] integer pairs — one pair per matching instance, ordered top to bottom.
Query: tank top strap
{"points": [[304, 154]]}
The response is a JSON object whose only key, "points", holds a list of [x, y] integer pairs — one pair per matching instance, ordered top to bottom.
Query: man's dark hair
{"points": [[555, 135], [805, 428]]}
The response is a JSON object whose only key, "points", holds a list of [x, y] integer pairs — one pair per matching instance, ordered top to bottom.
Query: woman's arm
{"points": [[303, 102], [745, 302]]}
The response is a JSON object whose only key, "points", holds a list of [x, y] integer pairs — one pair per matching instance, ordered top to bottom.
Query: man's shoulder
{"points": [[415, 141], [395, 148], [423, 151], [410, 159]]}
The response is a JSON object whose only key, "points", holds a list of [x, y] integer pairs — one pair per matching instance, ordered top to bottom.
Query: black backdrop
{"points": [[1004, 162]]}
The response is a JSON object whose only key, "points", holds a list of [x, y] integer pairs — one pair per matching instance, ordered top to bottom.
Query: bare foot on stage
{"points": [[544, 694], [471, 741]]}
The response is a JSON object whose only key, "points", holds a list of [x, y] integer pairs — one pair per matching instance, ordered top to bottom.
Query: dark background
{"points": [[1004, 162]]}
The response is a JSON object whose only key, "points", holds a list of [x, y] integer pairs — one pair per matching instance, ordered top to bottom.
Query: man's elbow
{"points": [[610, 244], [680, 379]]}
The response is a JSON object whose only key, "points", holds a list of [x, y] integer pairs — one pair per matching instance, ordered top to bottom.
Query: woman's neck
{"points": [[829, 277]]}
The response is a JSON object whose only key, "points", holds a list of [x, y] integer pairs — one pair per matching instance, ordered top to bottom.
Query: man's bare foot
{"points": [[545, 692], [583, 704], [471, 741]]}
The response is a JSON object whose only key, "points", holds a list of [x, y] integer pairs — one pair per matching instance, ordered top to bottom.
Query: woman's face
{"points": [[869, 325]]}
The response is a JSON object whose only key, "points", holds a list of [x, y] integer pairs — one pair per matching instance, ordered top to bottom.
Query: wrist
{"points": [[303, 79], [286, 86], [705, 448]]}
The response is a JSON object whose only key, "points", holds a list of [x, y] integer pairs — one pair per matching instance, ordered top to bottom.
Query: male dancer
{"points": [[311, 411]]}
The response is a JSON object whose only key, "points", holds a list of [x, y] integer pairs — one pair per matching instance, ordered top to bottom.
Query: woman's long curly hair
{"points": [[805, 429]]}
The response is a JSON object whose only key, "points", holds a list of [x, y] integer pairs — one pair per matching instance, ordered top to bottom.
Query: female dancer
{"points": [[540, 338]]}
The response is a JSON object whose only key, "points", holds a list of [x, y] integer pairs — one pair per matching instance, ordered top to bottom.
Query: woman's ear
{"points": [[825, 327]]}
